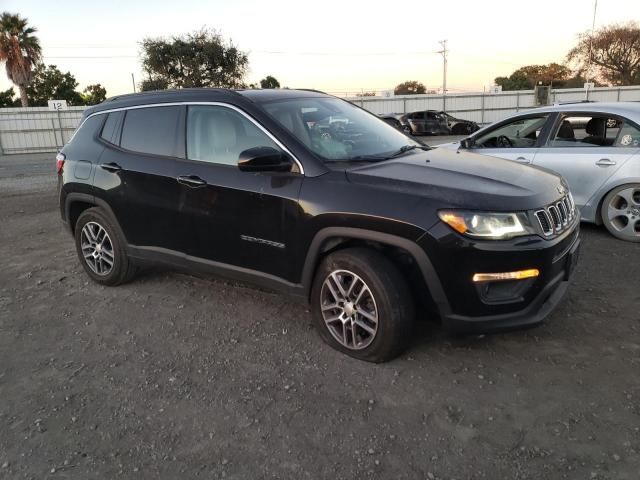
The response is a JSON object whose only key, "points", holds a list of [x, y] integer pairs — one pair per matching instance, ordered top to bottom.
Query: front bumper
{"points": [[465, 310]]}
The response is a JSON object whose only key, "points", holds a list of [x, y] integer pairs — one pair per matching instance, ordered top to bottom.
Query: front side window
{"points": [[152, 130], [336, 130], [577, 130], [520, 133], [219, 134]]}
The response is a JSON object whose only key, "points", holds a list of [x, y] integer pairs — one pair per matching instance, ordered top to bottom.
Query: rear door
{"points": [[517, 139], [586, 149], [137, 173]]}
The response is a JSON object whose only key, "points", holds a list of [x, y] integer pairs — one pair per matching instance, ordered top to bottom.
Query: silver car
{"points": [[595, 146]]}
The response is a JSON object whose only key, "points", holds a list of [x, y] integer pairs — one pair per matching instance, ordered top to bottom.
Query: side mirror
{"points": [[466, 143], [264, 159]]}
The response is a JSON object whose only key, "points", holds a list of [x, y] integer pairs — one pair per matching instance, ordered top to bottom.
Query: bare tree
{"points": [[614, 51]]}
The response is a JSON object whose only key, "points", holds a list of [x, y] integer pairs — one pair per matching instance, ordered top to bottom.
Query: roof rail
{"points": [[151, 93]]}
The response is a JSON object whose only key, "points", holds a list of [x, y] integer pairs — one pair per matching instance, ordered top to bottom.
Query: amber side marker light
{"points": [[454, 221], [519, 275]]}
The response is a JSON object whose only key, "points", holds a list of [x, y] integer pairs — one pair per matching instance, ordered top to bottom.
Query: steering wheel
{"points": [[337, 129], [504, 141]]}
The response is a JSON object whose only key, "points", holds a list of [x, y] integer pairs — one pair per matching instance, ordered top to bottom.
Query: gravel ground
{"points": [[174, 376]]}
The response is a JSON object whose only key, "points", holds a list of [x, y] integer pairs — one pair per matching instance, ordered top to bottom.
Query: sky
{"points": [[336, 46]]}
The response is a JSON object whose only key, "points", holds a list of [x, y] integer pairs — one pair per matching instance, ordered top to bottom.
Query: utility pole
{"points": [[593, 26], [444, 52], [133, 81]]}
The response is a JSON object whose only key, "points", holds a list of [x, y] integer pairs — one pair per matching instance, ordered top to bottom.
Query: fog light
{"points": [[519, 275]]}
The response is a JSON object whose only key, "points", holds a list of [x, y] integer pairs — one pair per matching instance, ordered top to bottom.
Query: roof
{"points": [[199, 95], [627, 109]]}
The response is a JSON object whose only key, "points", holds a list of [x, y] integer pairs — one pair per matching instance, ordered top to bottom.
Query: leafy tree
{"points": [[20, 50], [614, 51], [199, 59], [527, 77], [269, 82], [49, 83], [153, 84], [410, 87], [94, 94], [6, 99]]}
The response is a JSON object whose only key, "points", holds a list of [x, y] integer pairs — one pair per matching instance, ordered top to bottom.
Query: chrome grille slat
{"points": [[563, 213], [556, 217], [545, 222]]}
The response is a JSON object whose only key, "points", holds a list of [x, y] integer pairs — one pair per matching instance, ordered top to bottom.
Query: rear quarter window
{"points": [[112, 128], [153, 130]]}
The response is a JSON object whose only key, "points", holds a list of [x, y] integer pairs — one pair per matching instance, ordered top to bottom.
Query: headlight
{"points": [[496, 226]]}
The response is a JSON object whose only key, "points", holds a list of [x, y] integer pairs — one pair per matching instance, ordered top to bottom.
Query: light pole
{"points": [[593, 26], [444, 52]]}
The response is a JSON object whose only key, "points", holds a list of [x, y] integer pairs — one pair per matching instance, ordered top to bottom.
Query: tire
{"points": [[406, 129], [460, 129], [620, 212], [99, 241], [387, 298]]}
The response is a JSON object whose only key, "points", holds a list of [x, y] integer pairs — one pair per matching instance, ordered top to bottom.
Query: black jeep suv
{"points": [[306, 193]]}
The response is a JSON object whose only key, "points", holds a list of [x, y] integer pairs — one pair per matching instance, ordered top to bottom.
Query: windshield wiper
{"points": [[407, 148], [380, 158]]}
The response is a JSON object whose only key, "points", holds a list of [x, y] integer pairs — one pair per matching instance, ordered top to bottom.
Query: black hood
{"points": [[464, 180]]}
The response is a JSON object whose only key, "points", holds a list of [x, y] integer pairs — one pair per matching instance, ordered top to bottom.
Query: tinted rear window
{"points": [[153, 130]]}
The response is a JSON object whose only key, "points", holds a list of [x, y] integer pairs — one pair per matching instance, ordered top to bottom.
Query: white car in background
{"points": [[594, 146]]}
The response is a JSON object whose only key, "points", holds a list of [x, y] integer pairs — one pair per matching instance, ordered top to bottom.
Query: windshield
{"points": [[336, 130]]}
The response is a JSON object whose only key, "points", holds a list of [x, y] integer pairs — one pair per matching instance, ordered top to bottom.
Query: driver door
{"points": [[517, 139]]}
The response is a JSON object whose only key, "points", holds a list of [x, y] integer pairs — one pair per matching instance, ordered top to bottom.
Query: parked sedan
{"points": [[595, 146]]}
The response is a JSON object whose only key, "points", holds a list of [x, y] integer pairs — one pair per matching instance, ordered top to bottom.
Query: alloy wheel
{"points": [[623, 212], [97, 248], [349, 309]]}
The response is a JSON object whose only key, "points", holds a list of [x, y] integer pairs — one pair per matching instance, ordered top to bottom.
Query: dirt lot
{"points": [[174, 376]]}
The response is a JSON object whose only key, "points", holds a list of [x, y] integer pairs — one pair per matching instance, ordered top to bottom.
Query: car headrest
{"points": [[595, 127], [566, 131]]}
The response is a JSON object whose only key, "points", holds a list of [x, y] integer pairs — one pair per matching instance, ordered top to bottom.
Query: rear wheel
{"points": [[407, 130], [620, 212], [102, 248], [361, 305]]}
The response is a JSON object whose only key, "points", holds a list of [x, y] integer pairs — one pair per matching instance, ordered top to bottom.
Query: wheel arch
{"points": [[76, 203], [331, 239]]}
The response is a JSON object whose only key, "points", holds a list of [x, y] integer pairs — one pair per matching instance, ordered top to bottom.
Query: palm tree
{"points": [[20, 50]]}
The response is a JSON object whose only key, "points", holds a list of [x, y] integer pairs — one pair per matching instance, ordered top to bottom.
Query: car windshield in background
{"points": [[338, 131]]}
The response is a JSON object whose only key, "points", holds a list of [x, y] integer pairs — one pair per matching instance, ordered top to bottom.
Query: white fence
{"points": [[486, 108], [36, 129], [28, 130]]}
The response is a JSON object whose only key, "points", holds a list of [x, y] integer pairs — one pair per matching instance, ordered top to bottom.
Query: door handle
{"points": [[523, 160], [605, 162], [111, 167], [191, 181]]}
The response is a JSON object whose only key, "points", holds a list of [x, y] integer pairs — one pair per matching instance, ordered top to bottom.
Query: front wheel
{"points": [[461, 129], [621, 212], [361, 305]]}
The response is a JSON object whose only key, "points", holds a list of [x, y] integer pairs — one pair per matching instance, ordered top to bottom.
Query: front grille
{"points": [[555, 218]]}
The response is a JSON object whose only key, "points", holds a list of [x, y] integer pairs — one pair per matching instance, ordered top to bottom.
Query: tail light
{"points": [[60, 158]]}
